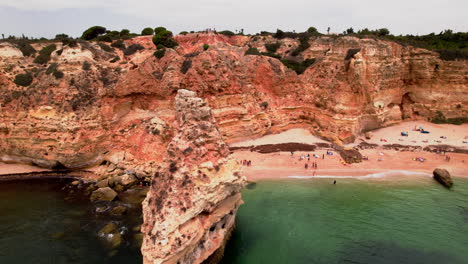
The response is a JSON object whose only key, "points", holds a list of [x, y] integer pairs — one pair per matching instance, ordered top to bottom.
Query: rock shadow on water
{"points": [[389, 253]]}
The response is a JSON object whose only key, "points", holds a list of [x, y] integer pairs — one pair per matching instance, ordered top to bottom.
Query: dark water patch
{"points": [[43, 221]]}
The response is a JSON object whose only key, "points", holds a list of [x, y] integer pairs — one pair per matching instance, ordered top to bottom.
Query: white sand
{"points": [[296, 135], [455, 135]]}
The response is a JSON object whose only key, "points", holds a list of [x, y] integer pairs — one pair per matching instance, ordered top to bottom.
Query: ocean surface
{"points": [[376, 219], [297, 220], [42, 224]]}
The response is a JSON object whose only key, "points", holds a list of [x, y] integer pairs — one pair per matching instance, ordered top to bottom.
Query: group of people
{"points": [[246, 163], [313, 165]]}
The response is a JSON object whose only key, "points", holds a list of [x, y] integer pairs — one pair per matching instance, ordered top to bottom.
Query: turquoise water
{"points": [[290, 221], [355, 221], [42, 224]]}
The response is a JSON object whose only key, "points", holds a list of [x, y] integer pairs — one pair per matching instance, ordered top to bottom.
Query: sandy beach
{"points": [[380, 161], [10, 168]]}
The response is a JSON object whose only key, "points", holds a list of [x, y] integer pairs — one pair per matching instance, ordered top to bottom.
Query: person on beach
{"points": [[323, 156], [334, 182]]}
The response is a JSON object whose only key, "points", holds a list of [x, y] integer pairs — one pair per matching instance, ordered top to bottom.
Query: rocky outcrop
{"points": [[115, 113], [443, 177], [103, 194], [195, 194]]}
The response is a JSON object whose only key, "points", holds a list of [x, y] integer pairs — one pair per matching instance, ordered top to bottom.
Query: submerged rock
{"points": [[443, 177], [103, 194], [133, 196], [119, 210]]}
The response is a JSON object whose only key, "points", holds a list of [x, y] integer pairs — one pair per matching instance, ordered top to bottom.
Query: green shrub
{"points": [[147, 31], [313, 31], [93, 32], [124, 32], [183, 33], [227, 33], [61, 37], [163, 37], [104, 38], [70, 42], [119, 44], [303, 45], [24, 46], [206, 46], [105, 47], [272, 47], [132, 49], [252, 51], [160, 53], [44, 54], [86, 66], [52, 67], [298, 67], [58, 74], [24, 79], [264, 105]]}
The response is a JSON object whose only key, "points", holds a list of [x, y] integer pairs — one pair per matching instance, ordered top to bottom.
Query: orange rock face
{"points": [[119, 113], [195, 193]]}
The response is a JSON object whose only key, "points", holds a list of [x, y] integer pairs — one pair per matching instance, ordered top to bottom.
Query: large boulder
{"points": [[443, 177], [103, 194]]}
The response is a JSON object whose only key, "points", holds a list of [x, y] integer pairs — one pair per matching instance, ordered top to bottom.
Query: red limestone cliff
{"points": [[191, 206]]}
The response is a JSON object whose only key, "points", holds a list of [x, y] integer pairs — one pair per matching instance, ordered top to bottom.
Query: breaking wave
{"points": [[368, 176]]}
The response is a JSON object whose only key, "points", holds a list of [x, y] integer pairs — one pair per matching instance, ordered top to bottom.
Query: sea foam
{"points": [[368, 176]]}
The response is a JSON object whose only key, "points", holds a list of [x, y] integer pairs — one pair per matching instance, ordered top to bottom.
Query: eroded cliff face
{"points": [[118, 111], [120, 115], [195, 194]]}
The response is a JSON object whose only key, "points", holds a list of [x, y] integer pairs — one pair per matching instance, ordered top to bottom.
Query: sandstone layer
{"points": [[195, 194]]}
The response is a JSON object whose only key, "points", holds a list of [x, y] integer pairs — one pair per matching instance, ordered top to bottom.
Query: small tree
{"points": [[312, 30], [147, 31], [349, 31], [93, 32], [124, 32], [227, 33], [163, 37], [206, 46], [160, 53]]}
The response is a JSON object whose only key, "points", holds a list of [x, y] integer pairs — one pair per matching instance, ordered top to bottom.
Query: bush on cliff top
{"points": [[147, 31], [93, 32], [227, 33], [163, 37], [44, 54], [24, 79]]}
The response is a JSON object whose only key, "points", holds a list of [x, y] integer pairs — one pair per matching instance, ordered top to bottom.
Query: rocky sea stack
{"points": [[443, 177], [191, 206]]}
